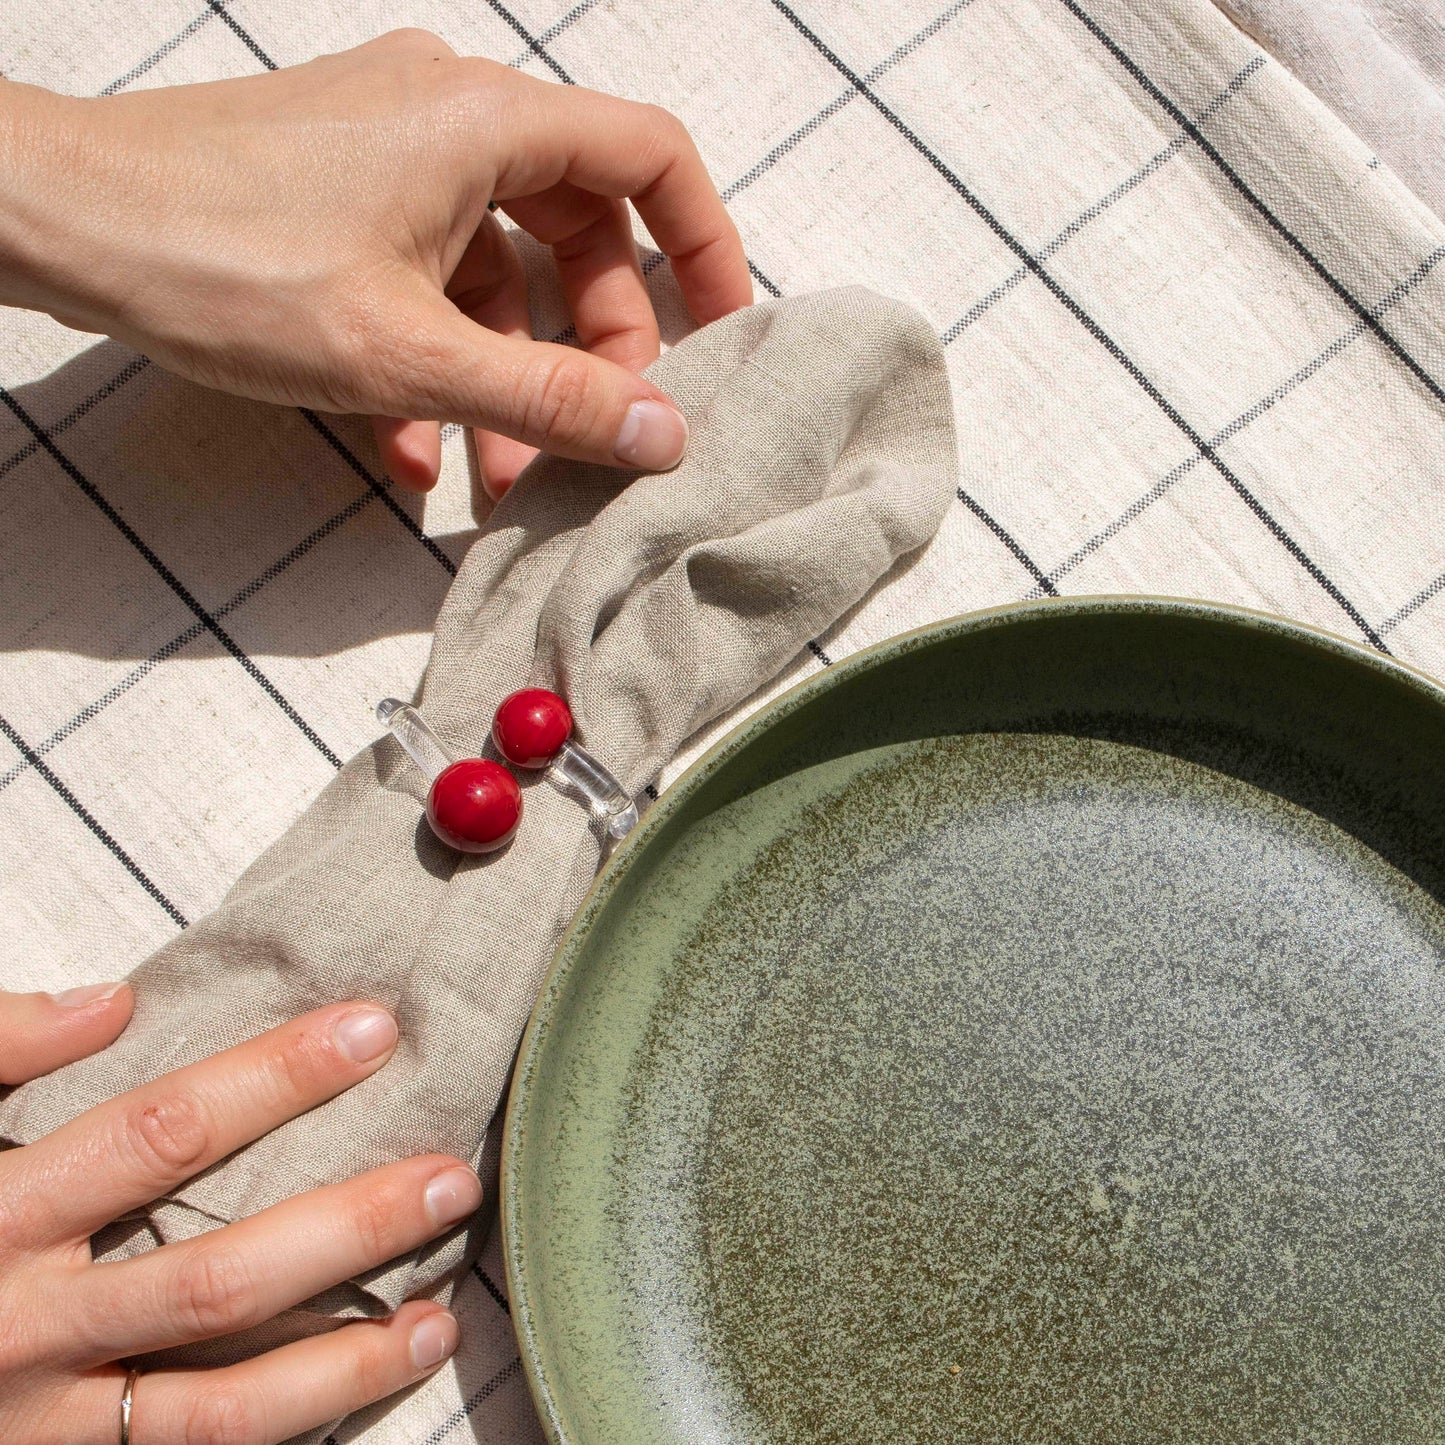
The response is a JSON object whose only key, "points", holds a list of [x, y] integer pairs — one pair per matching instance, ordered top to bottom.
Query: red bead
{"points": [[530, 727], [475, 805]]}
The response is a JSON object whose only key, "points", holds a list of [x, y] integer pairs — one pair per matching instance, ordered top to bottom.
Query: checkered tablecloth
{"points": [[1192, 323]]}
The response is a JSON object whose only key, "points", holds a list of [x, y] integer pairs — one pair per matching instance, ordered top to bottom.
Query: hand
{"points": [[319, 236], [66, 1321]]}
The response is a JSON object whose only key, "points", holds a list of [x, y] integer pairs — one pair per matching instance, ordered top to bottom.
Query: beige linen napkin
{"points": [[822, 451]]}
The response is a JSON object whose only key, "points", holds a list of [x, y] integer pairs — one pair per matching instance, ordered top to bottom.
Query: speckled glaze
{"points": [[1032, 1029]]}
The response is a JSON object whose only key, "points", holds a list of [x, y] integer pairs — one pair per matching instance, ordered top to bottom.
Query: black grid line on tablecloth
{"points": [[215, 9], [556, 28], [242, 34], [534, 43], [537, 46], [156, 56], [791, 141], [1129, 183], [1244, 189], [763, 281], [132, 368], [1136, 373], [1250, 415], [381, 490], [999, 531], [167, 576], [1044, 582], [1426, 594], [195, 630], [91, 822], [491, 1287], [470, 1404]]}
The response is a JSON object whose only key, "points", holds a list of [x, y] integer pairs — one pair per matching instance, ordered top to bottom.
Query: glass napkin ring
{"points": [[474, 804]]}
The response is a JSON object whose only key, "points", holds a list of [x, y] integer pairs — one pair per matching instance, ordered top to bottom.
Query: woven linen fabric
{"points": [[1378, 64], [1192, 327], [822, 452]]}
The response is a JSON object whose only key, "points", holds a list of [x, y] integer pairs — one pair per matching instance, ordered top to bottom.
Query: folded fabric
{"points": [[1378, 64], [822, 451]]}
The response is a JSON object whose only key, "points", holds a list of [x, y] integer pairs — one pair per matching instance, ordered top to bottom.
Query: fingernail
{"points": [[653, 436], [91, 993], [364, 1034], [453, 1195], [432, 1340]]}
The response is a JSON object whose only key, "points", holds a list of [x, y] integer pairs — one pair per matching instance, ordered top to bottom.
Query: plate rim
{"points": [[614, 869]]}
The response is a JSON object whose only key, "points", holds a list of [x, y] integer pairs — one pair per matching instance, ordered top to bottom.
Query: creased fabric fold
{"points": [[822, 451]]}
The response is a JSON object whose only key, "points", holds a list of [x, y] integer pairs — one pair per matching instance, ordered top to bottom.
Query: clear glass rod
{"points": [[408, 727]]}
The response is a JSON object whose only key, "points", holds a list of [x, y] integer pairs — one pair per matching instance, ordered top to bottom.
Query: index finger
{"points": [[641, 153], [138, 1146]]}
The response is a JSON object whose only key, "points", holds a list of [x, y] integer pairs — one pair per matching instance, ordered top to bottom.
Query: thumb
{"points": [[558, 398], [41, 1031]]}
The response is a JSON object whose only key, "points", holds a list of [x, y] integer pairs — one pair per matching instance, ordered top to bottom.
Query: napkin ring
{"points": [[475, 804]]}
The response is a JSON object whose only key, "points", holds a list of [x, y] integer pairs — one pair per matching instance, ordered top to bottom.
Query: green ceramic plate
{"points": [[1031, 1029]]}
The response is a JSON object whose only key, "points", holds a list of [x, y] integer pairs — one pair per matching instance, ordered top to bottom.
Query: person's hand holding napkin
{"points": [[822, 451]]}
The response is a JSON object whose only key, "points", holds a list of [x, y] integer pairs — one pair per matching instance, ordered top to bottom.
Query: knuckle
{"points": [[413, 37], [476, 75], [470, 93], [665, 122], [673, 139], [666, 141], [590, 223], [487, 289], [356, 335], [397, 368], [560, 400], [301, 1061], [167, 1136], [17, 1214], [374, 1219], [212, 1293], [21, 1344], [372, 1373], [223, 1414]]}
